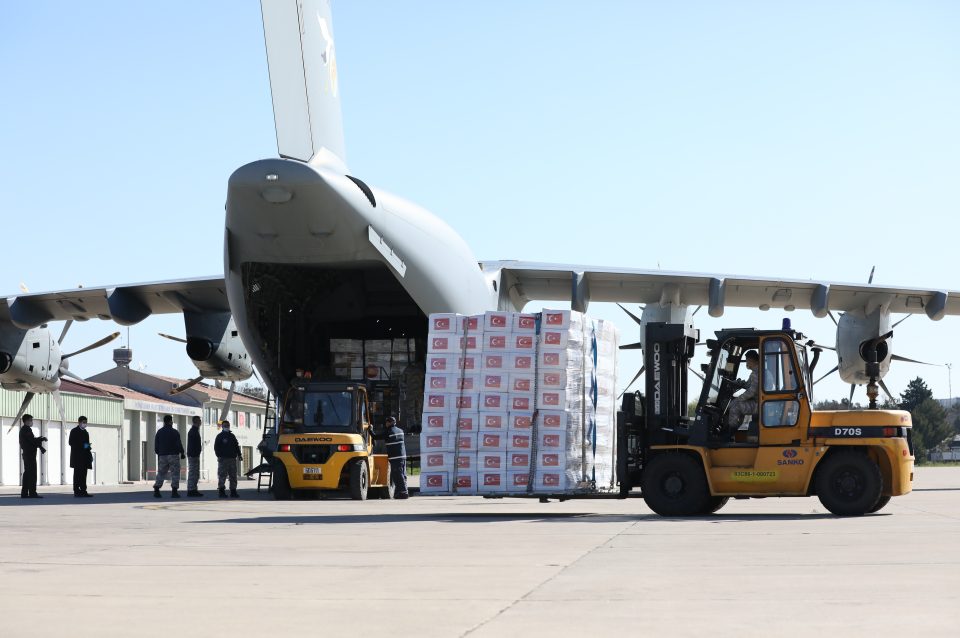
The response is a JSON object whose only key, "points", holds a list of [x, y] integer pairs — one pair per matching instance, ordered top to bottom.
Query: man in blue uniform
{"points": [[194, 447], [169, 449], [227, 449], [397, 454]]}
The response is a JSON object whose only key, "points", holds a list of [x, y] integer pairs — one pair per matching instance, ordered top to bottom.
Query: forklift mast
{"points": [[667, 350]]}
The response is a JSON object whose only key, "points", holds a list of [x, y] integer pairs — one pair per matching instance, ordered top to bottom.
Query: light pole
{"points": [[950, 382]]}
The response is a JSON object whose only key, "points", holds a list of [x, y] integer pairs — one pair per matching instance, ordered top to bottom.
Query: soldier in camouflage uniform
{"points": [[169, 449], [227, 449]]}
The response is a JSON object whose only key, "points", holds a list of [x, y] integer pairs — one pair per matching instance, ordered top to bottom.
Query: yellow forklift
{"points": [[324, 442], [854, 461]]}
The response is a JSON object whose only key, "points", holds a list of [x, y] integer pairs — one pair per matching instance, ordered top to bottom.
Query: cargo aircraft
{"points": [[313, 252]]}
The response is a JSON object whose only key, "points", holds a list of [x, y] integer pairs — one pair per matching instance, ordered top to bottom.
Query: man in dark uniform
{"points": [[29, 444], [194, 447], [169, 449], [227, 449], [397, 454], [81, 457]]}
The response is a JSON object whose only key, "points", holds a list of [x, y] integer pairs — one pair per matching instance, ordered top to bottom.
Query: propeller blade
{"points": [[870, 279], [696, 311], [632, 316], [901, 321], [63, 333], [172, 338], [814, 344], [94, 345], [632, 346], [897, 357], [835, 368], [75, 377], [632, 381], [186, 386], [853, 388], [886, 391], [226, 406], [23, 408]]}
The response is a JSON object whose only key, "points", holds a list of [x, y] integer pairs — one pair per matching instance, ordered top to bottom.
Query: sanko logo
{"points": [[789, 454]]}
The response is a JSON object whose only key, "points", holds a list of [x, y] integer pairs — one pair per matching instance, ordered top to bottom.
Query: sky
{"points": [[803, 140]]}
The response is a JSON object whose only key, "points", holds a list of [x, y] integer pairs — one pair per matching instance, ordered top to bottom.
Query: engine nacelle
{"points": [[853, 330], [214, 346], [29, 359]]}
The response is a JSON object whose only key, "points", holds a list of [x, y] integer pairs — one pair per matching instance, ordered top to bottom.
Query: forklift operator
{"points": [[746, 403]]}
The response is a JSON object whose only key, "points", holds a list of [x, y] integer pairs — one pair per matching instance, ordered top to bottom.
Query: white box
{"points": [[558, 319], [495, 321], [444, 322], [524, 322], [471, 324], [554, 339], [496, 342], [522, 342], [443, 343], [472, 343], [353, 346], [378, 346], [549, 360], [521, 361], [469, 362], [495, 362], [443, 363], [552, 379], [495, 381], [520, 382], [440, 383], [551, 399], [494, 400], [438, 401], [465, 401], [521, 402], [465, 420], [494, 420], [553, 420], [439, 421], [521, 422], [492, 441], [519, 441], [551, 441], [436, 442], [467, 442], [518, 460], [432, 461], [466, 461], [491, 461], [550, 461], [435, 481], [517, 481], [551, 481], [466, 482], [491, 482]]}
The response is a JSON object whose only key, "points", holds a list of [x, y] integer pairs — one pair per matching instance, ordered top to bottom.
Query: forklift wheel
{"points": [[358, 481], [849, 483], [281, 484], [674, 485], [387, 491], [715, 504], [880, 504]]}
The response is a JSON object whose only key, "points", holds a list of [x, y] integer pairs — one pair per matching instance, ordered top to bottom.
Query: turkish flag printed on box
{"points": [[444, 322], [496, 322], [525, 322], [471, 324], [495, 341], [443, 343], [522, 343], [494, 362], [520, 362], [495, 382], [521, 382], [437, 402], [521, 402], [493, 420], [440, 421], [521, 421], [491, 441], [520, 441], [518, 460], [491, 461], [434, 481]]}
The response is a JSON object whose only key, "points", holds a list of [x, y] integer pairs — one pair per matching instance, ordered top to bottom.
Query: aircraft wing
{"points": [[525, 281], [125, 304]]}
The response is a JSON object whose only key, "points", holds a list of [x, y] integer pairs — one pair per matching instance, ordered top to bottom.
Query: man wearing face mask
{"points": [[29, 444], [194, 447], [169, 449], [227, 449], [81, 457]]}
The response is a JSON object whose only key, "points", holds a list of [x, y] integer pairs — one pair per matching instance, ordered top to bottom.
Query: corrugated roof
{"points": [[88, 388], [214, 392], [127, 393]]}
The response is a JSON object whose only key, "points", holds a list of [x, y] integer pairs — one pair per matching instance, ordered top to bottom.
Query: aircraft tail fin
{"points": [[302, 61]]}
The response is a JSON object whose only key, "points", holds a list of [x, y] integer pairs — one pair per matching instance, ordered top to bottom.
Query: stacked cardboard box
{"points": [[372, 358], [489, 375]]}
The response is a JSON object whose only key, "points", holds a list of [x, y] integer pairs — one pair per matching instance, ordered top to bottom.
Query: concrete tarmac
{"points": [[125, 564]]}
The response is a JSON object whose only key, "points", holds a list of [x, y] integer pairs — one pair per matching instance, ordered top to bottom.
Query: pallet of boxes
{"points": [[519, 404]]}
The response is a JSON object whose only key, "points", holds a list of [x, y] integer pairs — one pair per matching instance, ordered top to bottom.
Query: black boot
{"points": [[156, 492], [222, 492], [194, 493], [175, 494], [233, 494]]}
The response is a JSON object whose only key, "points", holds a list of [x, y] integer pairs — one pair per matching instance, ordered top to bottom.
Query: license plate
{"points": [[311, 470]]}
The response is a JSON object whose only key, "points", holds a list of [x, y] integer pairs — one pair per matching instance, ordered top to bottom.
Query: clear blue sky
{"points": [[802, 140]]}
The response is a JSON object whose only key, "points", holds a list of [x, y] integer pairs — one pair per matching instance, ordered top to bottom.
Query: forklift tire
{"points": [[359, 481], [849, 483], [281, 484], [674, 485], [387, 491], [715, 504], [880, 504]]}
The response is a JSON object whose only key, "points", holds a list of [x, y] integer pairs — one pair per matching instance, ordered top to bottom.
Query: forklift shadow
{"points": [[467, 517]]}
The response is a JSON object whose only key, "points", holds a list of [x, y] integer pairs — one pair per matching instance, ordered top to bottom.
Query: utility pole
{"points": [[950, 381]]}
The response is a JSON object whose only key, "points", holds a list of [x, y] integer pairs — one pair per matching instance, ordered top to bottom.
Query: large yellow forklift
{"points": [[325, 442], [854, 461]]}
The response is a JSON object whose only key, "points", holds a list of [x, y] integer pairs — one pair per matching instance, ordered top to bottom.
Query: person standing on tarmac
{"points": [[29, 444], [194, 447], [169, 449], [227, 449], [397, 454], [81, 457]]}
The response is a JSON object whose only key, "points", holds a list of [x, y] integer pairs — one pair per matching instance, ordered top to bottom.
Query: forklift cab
{"points": [[783, 379]]}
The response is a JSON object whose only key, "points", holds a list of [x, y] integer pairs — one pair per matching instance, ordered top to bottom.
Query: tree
{"points": [[253, 390], [930, 426]]}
